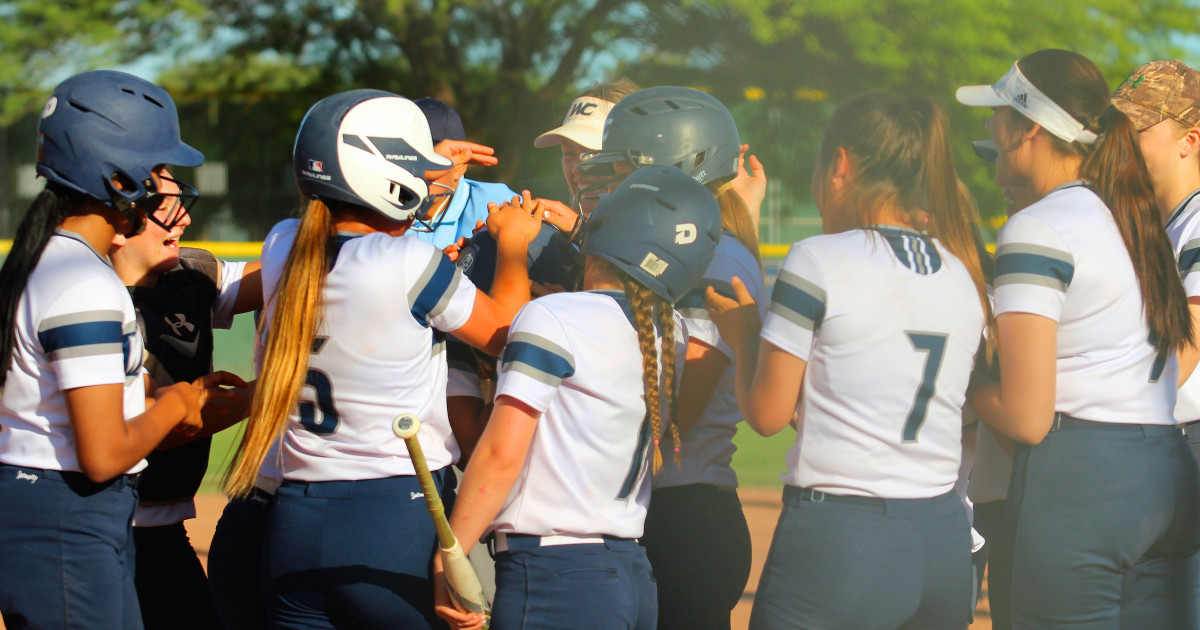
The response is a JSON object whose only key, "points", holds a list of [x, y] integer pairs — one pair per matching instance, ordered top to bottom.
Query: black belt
{"points": [[1063, 422], [816, 496]]}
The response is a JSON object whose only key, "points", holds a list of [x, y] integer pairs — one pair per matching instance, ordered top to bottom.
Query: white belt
{"points": [[266, 484], [501, 542]]}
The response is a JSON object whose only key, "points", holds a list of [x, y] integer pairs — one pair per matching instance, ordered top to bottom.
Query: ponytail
{"points": [[903, 160], [1115, 169], [951, 209], [42, 217], [735, 219], [293, 328]]}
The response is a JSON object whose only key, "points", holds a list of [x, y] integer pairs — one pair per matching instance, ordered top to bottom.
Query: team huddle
{"points": [[579, 370]]}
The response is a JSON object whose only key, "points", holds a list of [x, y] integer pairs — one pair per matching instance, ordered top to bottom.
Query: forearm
{"points": [[510, 288], [106, 443], [486, 484]]}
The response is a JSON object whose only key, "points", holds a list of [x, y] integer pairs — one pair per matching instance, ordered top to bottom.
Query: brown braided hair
{"points": [[648, 308]]}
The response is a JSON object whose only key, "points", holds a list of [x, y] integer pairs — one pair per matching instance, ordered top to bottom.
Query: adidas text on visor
{"points": [[1016, 91]]}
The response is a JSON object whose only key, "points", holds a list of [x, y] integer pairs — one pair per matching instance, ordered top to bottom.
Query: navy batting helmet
{"points": [[105, 125], [670, 125], [369, 148], [659, 226], [551, 259]]}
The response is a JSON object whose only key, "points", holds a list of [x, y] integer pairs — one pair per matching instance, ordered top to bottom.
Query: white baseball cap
{"points": [[1016, 91], [583, 124]]}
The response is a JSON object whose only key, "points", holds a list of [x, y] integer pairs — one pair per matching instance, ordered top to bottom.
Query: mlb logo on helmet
{"points": [[316, 166]]}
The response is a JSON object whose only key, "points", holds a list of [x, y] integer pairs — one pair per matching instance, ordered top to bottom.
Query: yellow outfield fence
{"points": [[220, 249], [229, 249], [251, 250]]}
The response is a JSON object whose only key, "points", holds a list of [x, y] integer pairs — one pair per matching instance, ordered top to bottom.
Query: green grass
{"points": [[234, 353], [759, 461]]}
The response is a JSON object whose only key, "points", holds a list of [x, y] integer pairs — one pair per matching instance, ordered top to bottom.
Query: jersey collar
{"points": [[1182, 206], [76, 237]]}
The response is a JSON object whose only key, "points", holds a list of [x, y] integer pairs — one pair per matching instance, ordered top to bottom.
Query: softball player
{"points": [[1162, 100], [582, 130], [180, 295], [874, 305], [586, 383], [75, 427], [1102, 521], [696, 535], [349, 540]]}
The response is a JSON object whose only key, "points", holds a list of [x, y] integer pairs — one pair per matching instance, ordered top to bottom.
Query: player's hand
{"points": [[470, 153], [751, 184], [559, 214], [518, 220], [452, 250], [736, 320], [195, 395], [230, 406], [445, 608]]}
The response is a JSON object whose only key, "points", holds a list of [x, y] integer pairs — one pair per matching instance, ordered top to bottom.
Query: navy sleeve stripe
{"points": [[1189, 258], [1031, 268], [433, 290], [798, 300], [82, 339], [538, 358]]}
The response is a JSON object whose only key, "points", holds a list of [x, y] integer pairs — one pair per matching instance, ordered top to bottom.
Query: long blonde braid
{"points": [[646, 307]]}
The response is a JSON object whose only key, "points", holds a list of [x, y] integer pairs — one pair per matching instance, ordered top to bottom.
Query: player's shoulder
{"points": [[1066, 209]]}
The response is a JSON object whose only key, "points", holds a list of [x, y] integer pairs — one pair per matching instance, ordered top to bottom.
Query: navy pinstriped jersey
{"points": [[1063, 258], [889, 324], [75, 328], [376, 356], [707, 447]]}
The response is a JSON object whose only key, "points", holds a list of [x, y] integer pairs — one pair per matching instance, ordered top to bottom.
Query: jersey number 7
{"points": [[934, 347]]}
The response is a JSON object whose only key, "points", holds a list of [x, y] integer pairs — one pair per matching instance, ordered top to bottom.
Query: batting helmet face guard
{"points": [[104, 125], [670, 126], [369, 148], [659, 226], [551, 259]]}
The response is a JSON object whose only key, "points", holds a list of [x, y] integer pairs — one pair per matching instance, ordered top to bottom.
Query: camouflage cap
{"points": [[1160, 90]]}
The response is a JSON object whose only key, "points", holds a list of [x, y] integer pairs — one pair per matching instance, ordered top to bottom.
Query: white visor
{"points": [[1016, 91], [583, 124]]}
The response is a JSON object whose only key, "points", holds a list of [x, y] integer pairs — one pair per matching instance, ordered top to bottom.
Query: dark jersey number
{"points": [[934, 347]]}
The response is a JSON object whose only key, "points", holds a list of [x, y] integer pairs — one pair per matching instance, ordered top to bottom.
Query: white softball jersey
{"points": [[1184, 230], [1063, 258], [888, 322], [76, 327], [376, 356], [574, 358], [707, 448]]}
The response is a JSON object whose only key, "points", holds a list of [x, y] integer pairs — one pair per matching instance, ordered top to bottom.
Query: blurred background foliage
{"points": [[244, 73]]}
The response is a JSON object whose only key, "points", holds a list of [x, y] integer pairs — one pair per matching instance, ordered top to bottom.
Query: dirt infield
{"points": [[761, 506]]}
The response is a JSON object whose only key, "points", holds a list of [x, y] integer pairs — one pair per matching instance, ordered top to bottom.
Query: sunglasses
{"points": [[172, 207]]}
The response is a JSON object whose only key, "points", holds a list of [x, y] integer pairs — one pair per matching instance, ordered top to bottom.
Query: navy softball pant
{"points": [[1100, 531], [353, 554], [66, 560], [235, 562], [860, 563], [605, 585]]}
